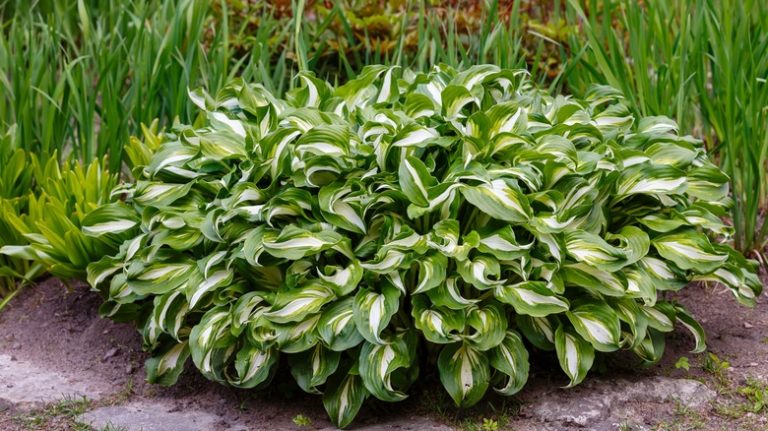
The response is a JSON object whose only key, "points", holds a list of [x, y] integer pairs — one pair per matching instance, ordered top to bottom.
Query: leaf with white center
{"points": [[454, 99], [415, 135], [325, 139], [647, 179], [415, 180], [708, 183], [159, 195], [499, 200], [340, 211], [109, 219], [632, 241], [295, 243], [503, 245], [689, 250], [595, 251], [385, 262], [432, 272], [483, 272], [161, 277], [215, 280], [343, 280], [595, 280], [448, 295], [531, 298], [296, 304], [245, 308], [372, 311], [661, 316], [488, 323], [690, 323], [438, 324], [598, 324], [337, 327], [540, 331], [299, 336], [209, 342], [651, 348], [574, 353], [511, 358], [378, 365], [253, 366], [313, 367], [165, 368], [464, 373], [343, 398]]}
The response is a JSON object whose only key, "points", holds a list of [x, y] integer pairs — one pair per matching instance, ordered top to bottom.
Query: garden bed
{"points": [[59, 332]]}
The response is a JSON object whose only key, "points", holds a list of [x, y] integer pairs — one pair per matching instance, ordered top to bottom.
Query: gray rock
{"points": [[26, 385], [599, 401], [154, 416], [414, 423]]}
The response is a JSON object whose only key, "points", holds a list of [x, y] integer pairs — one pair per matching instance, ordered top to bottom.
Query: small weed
{"points": [[683, 363], [756, 394], [302, 420], [489, 425]]}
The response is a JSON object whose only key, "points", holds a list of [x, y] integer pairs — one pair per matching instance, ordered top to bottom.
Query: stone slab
{"points": [[25, 385], [154, 416]]}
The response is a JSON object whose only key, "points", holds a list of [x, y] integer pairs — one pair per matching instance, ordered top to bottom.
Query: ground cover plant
{"points": [[409, 219]]}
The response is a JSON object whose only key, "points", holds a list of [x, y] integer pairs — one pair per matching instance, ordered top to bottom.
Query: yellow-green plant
{"points": [[410, 219]]}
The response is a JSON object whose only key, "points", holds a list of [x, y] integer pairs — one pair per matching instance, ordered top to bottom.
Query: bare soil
{"points": [[59, 328]]}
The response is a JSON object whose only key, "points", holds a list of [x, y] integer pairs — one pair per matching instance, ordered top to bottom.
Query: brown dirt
{"points": [[59, 327]]}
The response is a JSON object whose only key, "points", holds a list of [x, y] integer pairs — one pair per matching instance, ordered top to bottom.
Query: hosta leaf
{"points": [[649, 179], [415, 180], [499, 200], [109, 219], [295, 243], [503, 245], [689, 250], [594, 251], [432, 272], [483, 272], [161, 277], [343, 280], [596, 280], [448, 295], [531, 298], [296, 304], [372, 311], [684, 317], [488, 323], [598, 324], [438, 325], [337, 326], [540, 331], [299, 336], [574, 353], [511, 358], [378, 363], [253, 366], [166, 368], [312, 368], [464, 372], [343, 398]]}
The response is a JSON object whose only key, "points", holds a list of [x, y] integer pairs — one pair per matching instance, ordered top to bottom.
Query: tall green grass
{"points": [[704, 63]]}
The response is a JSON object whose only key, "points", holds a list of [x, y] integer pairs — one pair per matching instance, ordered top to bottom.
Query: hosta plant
{"points": [[68, 218], [404, 220]]}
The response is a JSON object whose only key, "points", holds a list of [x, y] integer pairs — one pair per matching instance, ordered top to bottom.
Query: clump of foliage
{"points": [[409, 219], [65, 221]]}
